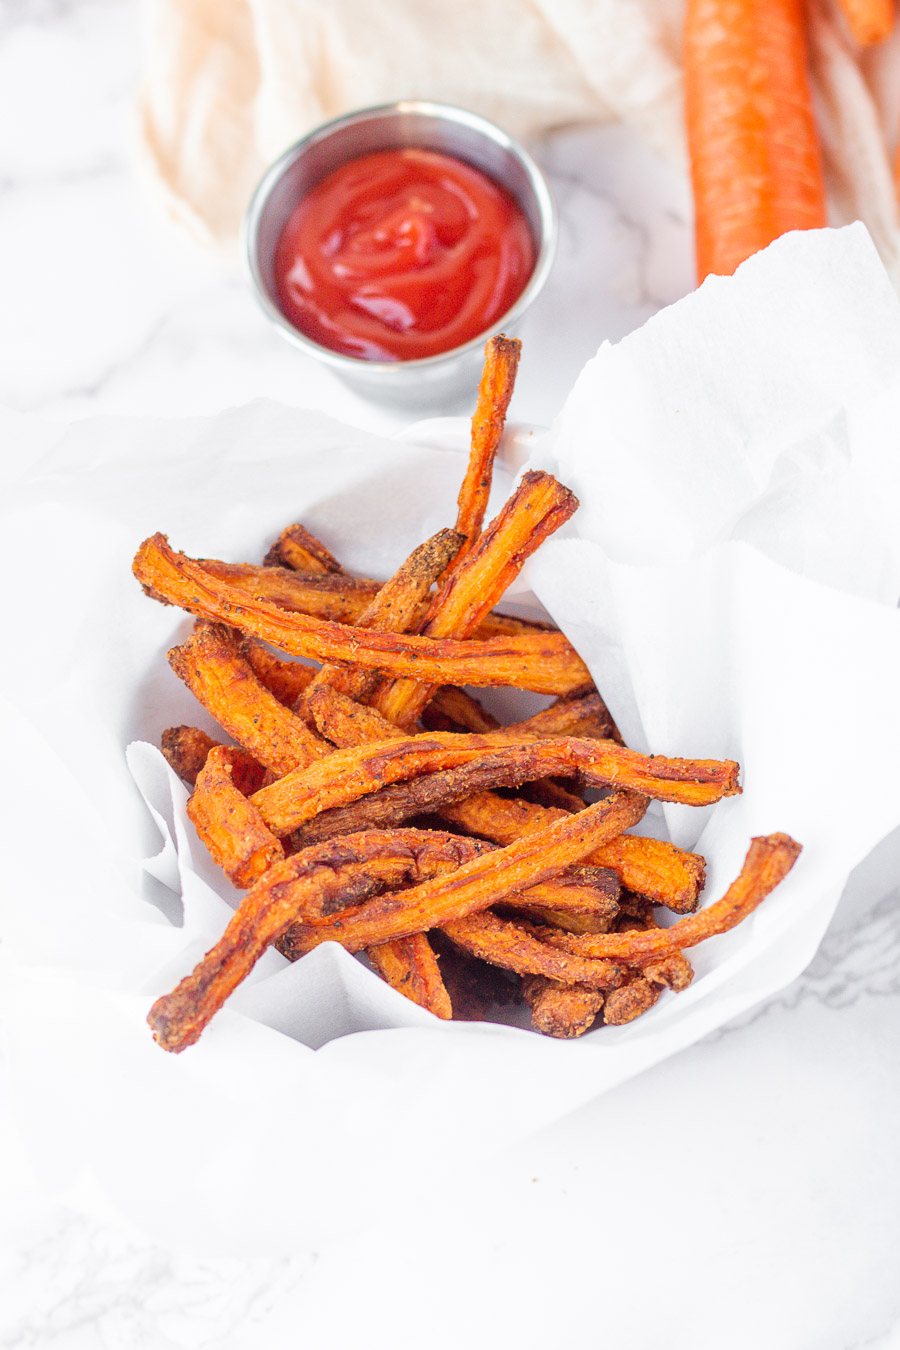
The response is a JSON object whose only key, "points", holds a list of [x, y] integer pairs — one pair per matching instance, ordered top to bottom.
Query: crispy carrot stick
{"points": [[868, 20], [755, 160], [498, 378], [295, 547], [473, 586], [393, 609], [542, 661], [213, 668], [185, 750], [350, 774], [228, 824], [768, 861], [651, 867], [328, 876], [488, 878], [517, 947], [410, 966], [561, 1010]]}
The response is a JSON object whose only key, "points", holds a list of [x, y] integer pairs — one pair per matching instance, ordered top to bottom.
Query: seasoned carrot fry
{"points": [[868, 20], [755, 159], [501, 361], [295, 547], [473, 586], [336, 597], [394, 608], [543, 661], [212, 667], [287, 680], [185, 750], [349, 774], [228, 824], [768, 861], [328, 877], [490, 877], [515, 947], [410, 966], [638, 995], [562, 1010]]}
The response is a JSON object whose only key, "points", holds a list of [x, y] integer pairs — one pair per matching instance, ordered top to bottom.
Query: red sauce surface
{"points": [[402, 254]]}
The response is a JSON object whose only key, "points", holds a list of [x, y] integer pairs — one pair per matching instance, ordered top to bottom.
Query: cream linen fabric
{"points": [[229, 84]]}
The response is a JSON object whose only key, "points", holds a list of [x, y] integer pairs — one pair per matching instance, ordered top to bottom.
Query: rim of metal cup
{"points": [[440, 112]]}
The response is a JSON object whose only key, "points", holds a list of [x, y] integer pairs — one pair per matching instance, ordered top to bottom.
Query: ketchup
{"points": [[402, 254]]}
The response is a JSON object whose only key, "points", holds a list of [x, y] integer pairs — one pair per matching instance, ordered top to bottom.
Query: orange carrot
{"points": [[868, 20], [755, 159]]}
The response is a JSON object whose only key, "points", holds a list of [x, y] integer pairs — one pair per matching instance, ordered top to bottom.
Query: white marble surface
{"points": [[745, 1194]]}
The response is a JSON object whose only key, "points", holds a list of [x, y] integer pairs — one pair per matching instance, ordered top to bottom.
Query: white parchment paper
{"points": [[731, 578]]}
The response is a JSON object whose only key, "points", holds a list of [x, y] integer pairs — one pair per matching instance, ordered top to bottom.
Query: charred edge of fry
{"points": [[295, 547], [545, 662], [212, 666], [185, 750], [227, 823], [331, 875], [410, 966], [635, 997], [561, 1010]]}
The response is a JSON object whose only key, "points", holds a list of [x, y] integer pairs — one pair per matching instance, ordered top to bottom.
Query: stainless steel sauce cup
{"points": [[432, 381]]}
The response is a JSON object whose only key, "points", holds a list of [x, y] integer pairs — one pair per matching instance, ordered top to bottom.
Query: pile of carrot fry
{"points": [[756, 158], [371, 800]]}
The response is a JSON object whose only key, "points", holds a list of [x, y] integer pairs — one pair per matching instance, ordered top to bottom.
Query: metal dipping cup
{"points": [[434, 382]]}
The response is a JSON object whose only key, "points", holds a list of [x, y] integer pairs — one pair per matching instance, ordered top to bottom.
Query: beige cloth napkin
{"points": [[229, 84]]}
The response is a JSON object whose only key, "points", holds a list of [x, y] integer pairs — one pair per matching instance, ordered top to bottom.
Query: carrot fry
{"points": [[868, 20], [755, 159], [501, 361], [295, 547], [473, 586], [336, 597], [394, 609], [543, 661], [212, 667], [287, 680], [185, 750], [346, 775], [227, 823], [768, 861], [330, 875], [489, 878], [517, 948], [410, 966], [638, 995], [562, 1010]]}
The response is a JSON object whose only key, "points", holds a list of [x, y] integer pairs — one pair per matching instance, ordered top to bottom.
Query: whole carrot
{"points": [[755, 159]]}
